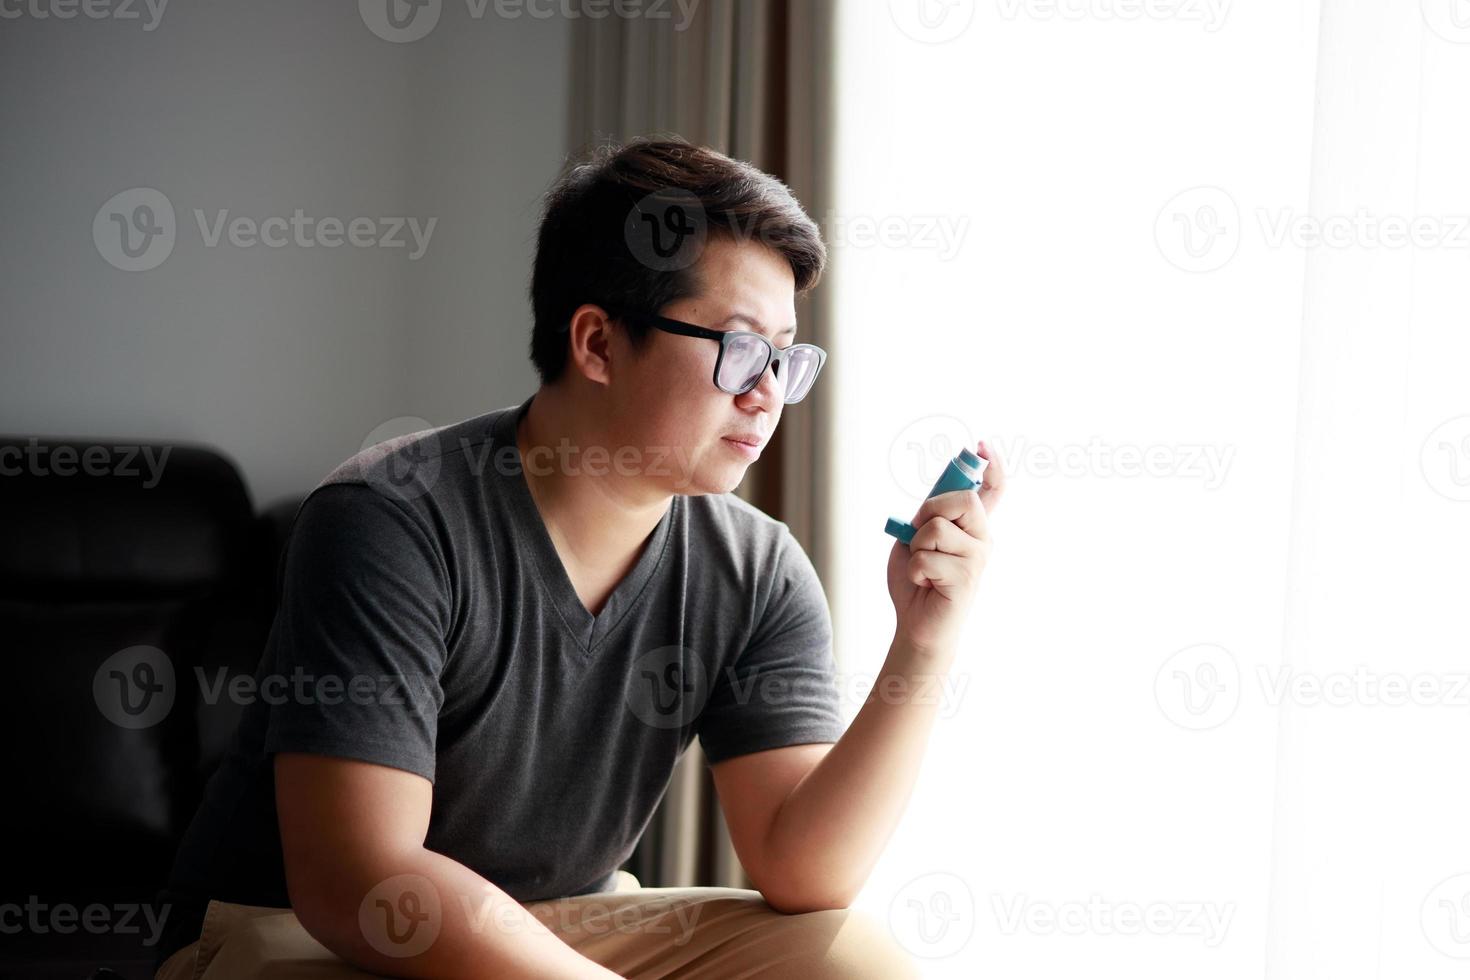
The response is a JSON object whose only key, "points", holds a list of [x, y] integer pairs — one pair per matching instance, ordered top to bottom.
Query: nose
{"points": [[771, 389]]}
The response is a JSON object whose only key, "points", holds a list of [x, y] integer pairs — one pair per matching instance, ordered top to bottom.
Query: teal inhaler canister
{"points": [[963, 473]]}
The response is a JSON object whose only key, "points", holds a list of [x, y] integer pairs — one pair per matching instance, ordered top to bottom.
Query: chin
{"points": [[724, 482]]}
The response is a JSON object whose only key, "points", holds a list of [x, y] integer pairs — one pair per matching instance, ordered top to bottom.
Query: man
{"points": [[502, 634]]}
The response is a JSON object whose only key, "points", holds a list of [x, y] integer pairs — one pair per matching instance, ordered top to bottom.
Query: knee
{"points": [[850, 944], [273, 946]]}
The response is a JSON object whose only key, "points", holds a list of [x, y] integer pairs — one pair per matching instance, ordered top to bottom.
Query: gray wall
{"points": [[285, 358]]}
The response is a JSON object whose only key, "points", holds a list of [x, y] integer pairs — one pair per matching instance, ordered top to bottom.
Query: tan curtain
{"points": [[752, 79]]}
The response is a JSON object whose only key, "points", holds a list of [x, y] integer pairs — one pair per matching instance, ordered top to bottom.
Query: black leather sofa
{"points": [[132, 588]]}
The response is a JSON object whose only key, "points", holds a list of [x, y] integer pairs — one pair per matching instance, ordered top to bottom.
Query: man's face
{"points": [[668, 395]]}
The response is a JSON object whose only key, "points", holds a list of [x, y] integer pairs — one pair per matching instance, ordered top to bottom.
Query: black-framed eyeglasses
{"points": [[745, 355]]}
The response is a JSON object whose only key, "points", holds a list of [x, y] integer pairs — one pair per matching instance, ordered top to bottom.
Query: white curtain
{"points": [[1209, 707], [1371, 859]]}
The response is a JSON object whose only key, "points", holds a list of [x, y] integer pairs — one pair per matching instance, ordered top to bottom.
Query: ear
{"points": [[590, 343]]}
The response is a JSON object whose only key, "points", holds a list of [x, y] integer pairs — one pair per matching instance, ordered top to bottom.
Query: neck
{"points": [[598, 521]]}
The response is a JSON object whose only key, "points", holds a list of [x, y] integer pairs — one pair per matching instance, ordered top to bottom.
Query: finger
{"points": [[994, 479], [962, 507], [942, 534], [950, 575]]}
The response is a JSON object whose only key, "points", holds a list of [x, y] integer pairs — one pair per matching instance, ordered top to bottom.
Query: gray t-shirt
{"points": [[427, 623]]}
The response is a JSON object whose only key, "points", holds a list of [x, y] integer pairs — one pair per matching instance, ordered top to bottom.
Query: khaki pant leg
{"points": [[638, 933], [722, 934], [242, 941]]}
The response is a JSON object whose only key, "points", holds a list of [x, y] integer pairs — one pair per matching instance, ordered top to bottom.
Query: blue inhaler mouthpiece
{"points": [[964, 472]]}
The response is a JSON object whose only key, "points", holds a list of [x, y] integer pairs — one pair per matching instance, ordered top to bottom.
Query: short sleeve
{"points": [[360, 650], [782, 689]]}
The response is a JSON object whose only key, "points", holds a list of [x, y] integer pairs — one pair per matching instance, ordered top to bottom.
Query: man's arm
{"points": [[809, 821], [347, 828], [810, 839]]}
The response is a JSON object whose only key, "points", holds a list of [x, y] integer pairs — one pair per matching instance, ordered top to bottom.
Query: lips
{"points": [[753, 441]]}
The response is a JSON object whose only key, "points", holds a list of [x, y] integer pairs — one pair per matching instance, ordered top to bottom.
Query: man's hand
{"points": [[933, 579]]}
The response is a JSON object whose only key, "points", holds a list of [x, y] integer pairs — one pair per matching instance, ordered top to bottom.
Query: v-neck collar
{"points": [[588, 630]]}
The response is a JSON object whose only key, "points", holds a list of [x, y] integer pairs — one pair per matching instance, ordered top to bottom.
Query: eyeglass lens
{"points": [[746, 359]]}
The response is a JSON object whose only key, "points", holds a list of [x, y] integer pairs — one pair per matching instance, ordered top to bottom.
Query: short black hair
{"points": [[602, 227]]}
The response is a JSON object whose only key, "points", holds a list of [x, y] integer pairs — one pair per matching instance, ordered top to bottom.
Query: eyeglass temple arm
{"points": [[674, 326]]}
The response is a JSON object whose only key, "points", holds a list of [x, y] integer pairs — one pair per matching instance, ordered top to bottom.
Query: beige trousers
{"points": [[638, 933]]}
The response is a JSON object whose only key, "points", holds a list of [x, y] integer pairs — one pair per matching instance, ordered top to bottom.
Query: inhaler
{"points": [[962, 473]]}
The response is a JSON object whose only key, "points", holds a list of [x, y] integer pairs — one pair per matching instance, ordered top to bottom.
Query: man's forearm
{"points": [[828, 834], [481, 931]]}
